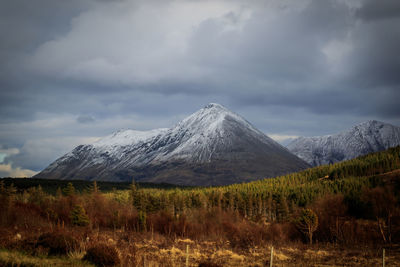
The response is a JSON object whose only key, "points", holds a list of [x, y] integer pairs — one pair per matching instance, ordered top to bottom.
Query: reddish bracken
{"points": [[102, 255]]}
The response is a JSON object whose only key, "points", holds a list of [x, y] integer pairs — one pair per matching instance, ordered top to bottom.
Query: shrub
{"points": [[282, 232], [243, 235], [57, 243], [27, 245], [102, 255], [209, 263]]}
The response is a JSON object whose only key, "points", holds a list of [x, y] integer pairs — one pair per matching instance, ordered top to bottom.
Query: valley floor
{"points": [[155, 250], [287, 255]]}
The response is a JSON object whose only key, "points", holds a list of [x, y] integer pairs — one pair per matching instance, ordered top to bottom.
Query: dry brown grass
{"points": [[160, 250]]}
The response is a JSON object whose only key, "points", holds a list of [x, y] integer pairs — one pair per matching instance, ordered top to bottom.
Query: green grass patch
{"points": [[16, 258]]}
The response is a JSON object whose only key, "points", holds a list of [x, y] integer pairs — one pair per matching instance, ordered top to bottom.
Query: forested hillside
{"points": [[273, 199]]}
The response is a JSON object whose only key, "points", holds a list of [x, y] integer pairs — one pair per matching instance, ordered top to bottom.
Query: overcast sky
{"points": [[73, 71]]}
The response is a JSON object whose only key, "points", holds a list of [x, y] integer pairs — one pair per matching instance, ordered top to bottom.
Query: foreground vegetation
{"points": [[341, 214], [15, 258]]}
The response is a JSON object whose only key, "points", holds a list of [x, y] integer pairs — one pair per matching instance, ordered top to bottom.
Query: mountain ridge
{"points": [[361, 139], [213, 146]]}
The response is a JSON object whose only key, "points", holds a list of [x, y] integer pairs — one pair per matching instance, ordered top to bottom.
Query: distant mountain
{"points": [[364, 138], [213, 146]]}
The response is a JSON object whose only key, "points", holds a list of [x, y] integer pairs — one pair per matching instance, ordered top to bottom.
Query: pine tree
{"points": [[2, 187], [95, 188], [69, 190], [133, 191], [58, 193], [37, 195], [7, 197], [282, 209], [78, 216], [142, 221]]}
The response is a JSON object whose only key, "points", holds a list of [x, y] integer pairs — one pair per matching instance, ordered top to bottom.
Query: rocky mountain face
{"points": [[364, 138], [213, 146]]}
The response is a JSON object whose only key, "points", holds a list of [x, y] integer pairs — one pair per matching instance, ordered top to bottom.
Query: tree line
{"points": [[340, 202]]}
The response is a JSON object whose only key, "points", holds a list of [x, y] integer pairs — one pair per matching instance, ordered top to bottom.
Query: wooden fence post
{"points": [[187, 255], [272, 256], [383, 257]]}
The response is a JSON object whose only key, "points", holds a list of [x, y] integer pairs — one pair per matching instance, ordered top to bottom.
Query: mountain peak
{"points": [[214, 105], [213, 111], [211, 115], [213, 118], [369, 123], [368, 126]]}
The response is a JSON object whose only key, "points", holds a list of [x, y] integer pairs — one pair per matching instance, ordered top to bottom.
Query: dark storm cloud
{"points": [[376, 10], [374, 61], [291, 68]]}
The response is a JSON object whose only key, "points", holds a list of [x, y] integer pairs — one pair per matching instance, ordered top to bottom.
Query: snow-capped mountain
{"points": [[364, 138], [213, 146]]}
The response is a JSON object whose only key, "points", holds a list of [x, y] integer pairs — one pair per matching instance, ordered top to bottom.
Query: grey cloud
{"points": [[377, 10], [24, 24], [269, 48], [374, 60], [291, 68], [85, 119], [35, 154]]}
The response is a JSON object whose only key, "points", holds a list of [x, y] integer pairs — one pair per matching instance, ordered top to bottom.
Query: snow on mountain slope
{"points": [[200, 135], [126, 137], [364, 138], [113, 144], [211, 146], [113, 147]]}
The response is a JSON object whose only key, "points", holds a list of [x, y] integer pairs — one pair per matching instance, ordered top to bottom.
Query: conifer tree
{"points": [[2, 187], [95, 188], [69, 190], [58, 193], [37, 195], [283, 208], [78, 216], [142, 217]]}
